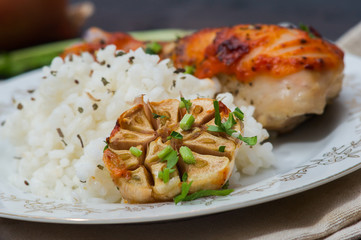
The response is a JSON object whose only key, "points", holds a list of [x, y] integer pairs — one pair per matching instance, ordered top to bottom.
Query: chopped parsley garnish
{"points": [[306, 29], [153, 48], [189, 69], [185, 104], [238, 114], [155, 116], [229, 124], [226, 127], [175, 135], [249, 140], [106, 146], [221, 148], [101, 167]]}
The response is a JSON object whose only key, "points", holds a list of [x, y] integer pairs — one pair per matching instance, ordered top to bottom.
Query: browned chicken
{"points": [[286, 73], [145, 129]]}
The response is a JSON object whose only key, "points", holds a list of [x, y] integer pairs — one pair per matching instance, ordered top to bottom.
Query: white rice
{"points": [[78, 102]]}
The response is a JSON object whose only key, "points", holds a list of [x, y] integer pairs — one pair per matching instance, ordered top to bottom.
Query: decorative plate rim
{"points": [[210, 205]]}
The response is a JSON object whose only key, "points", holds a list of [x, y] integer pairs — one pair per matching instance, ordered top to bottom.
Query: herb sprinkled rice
{"points": [[60, 132]]}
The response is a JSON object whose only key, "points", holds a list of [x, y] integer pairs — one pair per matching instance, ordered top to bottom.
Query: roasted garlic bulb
{"points": [[154, 144]]}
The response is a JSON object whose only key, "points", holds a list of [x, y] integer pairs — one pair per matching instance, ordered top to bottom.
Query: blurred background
{"points": [[330, 17], [28, 23]]}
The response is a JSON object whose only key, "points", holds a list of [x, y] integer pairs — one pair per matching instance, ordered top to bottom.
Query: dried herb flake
{"points": [[104, 81], [60, 133], [81, 140]]}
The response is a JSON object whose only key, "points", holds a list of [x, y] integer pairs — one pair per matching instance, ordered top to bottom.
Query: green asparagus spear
{"points": [[18, 61]]}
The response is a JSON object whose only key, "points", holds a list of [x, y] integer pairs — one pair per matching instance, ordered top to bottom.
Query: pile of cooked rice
{"points": [[60, 132]]}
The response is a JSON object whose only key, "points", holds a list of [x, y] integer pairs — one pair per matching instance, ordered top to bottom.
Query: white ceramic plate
{"points": [[321, 150]]}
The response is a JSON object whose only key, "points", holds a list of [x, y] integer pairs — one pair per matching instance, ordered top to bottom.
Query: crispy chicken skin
{"points": [[95, 39], [247, 51], [286, 73], [137, 176]]}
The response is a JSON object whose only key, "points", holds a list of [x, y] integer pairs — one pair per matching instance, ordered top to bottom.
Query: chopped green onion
{"points": [[306, 29], [153, 48], [18, 61], [189, 69], [185, 104], [238, 113], [217, 115], [155, 116], [187, 122], [230, 122], [227, 126], [222, 127], [213, 128], [175, 135], [249, 140], [106, 146], [221, 148], [135, 151], [162, 154], [169, 155], [187, 155], [171, 158], [164, 175], [184, 177], [226, 185], [206, 193], [183, 195]]}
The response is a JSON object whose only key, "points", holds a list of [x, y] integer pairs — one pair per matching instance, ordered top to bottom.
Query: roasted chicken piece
{"points": [[286, 73], [147, 127]]}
